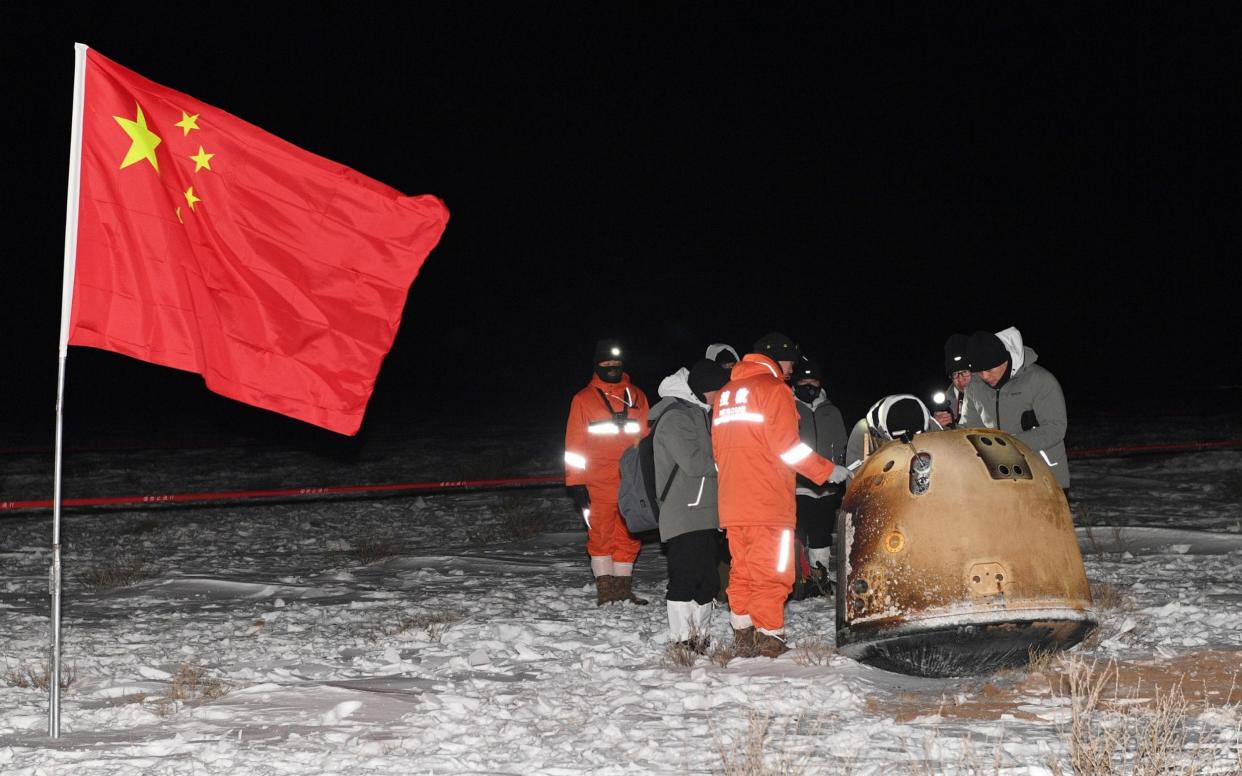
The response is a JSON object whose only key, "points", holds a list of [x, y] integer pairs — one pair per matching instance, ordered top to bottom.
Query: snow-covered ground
{"points": [[417, 635]]}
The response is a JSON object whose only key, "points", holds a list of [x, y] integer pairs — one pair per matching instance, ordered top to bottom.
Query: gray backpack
{"points": [[636, 498]]}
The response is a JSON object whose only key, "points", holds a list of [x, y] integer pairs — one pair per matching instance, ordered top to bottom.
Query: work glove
{"points": [[840, 474], [580, 496]]}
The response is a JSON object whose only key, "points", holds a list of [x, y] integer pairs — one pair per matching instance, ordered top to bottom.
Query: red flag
{"points": [[207, 244]]}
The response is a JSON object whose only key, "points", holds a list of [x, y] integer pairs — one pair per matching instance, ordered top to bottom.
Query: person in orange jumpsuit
{"points": [[605, 417], [758, 451]]}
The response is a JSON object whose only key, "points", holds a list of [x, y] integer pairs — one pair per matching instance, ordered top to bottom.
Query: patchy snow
{"points": [[411, 636]]}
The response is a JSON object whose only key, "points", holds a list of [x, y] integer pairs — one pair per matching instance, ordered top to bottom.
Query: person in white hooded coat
{"points": [[722, 354], [1017, 396], [685, 471]]}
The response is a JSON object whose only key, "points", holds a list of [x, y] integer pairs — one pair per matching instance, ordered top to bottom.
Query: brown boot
{"points": [[605, 589], [624, 591], [744, 642], [768, 645]]}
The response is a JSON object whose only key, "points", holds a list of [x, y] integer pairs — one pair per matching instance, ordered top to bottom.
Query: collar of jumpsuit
{"points": [[620, 399]]}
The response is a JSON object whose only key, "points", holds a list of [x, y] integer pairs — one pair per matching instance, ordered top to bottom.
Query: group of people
{"points": [[754, 448]]}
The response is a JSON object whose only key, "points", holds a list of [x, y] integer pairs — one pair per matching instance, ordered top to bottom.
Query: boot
{"points": [[822, 576], [823, 581], [802, 588], [605, 589], [623, 590], [679, 613], [689, 624], [700, 626], [744, 642], [770, 644]]}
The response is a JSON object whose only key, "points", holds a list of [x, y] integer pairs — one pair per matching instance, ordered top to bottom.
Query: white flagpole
{"points": [[66, 305]]}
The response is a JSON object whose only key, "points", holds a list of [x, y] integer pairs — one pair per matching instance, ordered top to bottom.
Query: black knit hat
{"points": [[777, 347], [608, 350], [985, 351], [955, 358], [807, 368], [706, 376]]}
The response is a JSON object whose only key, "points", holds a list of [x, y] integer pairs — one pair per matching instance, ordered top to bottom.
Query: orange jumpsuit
{"points": [[600, 428], [758, 450]]}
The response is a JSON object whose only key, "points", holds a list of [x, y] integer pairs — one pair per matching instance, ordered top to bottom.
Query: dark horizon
{"points": [[865, 181]]}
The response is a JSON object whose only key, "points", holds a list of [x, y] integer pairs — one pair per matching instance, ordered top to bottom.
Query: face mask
{"points": [[609, 374], [806, 392]]}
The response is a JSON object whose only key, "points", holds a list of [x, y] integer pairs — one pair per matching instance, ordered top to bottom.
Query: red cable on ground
{"points": [[499, 484], [236, 495]]}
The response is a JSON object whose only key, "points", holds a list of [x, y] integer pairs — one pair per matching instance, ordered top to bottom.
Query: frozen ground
{"points": [[417, 636]]}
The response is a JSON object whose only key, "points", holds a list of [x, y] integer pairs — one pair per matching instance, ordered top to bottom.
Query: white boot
{"points": [[820, 555], [824, 580], [680, 617], [700, 625]]}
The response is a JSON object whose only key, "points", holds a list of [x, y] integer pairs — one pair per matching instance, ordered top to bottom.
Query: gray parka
{"points": [[1030, 388], [822, 428], [683, 437]]}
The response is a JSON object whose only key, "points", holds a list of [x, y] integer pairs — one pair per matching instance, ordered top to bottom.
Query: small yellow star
{"points": [[187, 123], [143, 140], [202, 160], [190, 199], [180, 220]]}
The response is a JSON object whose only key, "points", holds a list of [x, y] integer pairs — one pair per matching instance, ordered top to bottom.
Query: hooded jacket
{"points": [[716, 348], [1029, 405], [822, 428], [599, 430], [683, 438], [757, 447]]}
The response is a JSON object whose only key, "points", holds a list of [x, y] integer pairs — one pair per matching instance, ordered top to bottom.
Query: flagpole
{"points": [[66, 308]]}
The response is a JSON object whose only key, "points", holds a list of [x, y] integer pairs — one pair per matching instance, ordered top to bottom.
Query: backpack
{"points": [[636, 498]]}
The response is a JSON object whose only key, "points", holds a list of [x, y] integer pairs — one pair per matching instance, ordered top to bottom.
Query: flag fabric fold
{"points": [[207, 244]]}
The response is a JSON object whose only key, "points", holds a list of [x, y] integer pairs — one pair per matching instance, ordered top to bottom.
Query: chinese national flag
{"points": [[207, 244]]}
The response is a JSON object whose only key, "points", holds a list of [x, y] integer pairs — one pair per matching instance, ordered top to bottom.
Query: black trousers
{"points": [[817, 519], [692, 566]]}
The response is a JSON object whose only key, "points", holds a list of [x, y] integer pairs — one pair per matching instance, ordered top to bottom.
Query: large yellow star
{"points": [[187, 123], [143, 140], [202, 160], [190, 199]]}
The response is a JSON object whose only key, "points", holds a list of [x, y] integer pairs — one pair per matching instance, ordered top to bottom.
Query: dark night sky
{"points": [[865, 180]]}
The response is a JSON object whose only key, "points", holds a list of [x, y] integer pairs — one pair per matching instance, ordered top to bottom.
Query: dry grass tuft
{"points": [[516, 518], [521, 518], [1098, 538], [123, 573], [1109, 597], [435, 623], [813, 652], [679, 654], [721, 655], [1039, 661], [39, 677], [191, 683], [1110, 734], [748, 755], [967, 762]]}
